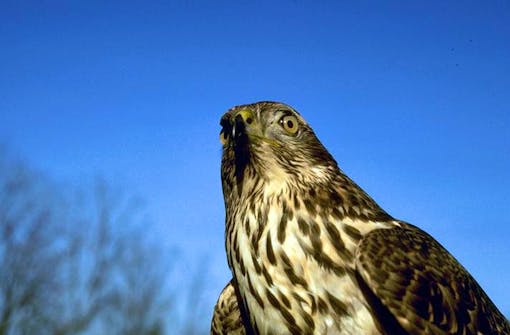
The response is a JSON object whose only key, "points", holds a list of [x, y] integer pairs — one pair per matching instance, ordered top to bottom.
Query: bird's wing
{"points": [[415, 286], [227, 315]]}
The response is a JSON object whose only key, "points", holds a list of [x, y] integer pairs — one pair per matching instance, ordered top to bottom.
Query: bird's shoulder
{"points": [[418, 287]]}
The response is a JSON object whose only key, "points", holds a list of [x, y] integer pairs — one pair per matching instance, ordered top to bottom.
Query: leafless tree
{"points": [[29, 250], [75, 264], [115, 274]]}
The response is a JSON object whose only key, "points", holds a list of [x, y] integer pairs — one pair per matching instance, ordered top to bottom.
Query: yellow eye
{"points": [[290, 124], [223, 137]]}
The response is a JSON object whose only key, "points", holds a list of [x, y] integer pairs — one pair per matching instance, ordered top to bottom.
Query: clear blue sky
{"points": [[412, 98]]}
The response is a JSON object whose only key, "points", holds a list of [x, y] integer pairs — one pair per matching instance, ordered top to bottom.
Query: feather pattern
{"points": [[311, 253]]}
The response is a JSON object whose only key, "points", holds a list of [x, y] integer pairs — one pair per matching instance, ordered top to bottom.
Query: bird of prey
{"points": [[311, 253]]}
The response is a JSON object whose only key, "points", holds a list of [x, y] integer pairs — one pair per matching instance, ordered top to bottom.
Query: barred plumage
{"points": [[312, 253]]}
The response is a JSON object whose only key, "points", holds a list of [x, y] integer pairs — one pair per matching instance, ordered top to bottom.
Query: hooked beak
{"points": [[241, 120]]}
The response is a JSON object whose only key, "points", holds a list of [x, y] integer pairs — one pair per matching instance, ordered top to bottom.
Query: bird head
{"points": [[270, 142]]}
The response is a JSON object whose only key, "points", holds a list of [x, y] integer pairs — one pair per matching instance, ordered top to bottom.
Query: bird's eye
{"points": [[290, 124], [223, 137]]}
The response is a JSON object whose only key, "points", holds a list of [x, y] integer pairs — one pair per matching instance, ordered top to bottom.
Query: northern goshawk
{"points": [[311, 253]]}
